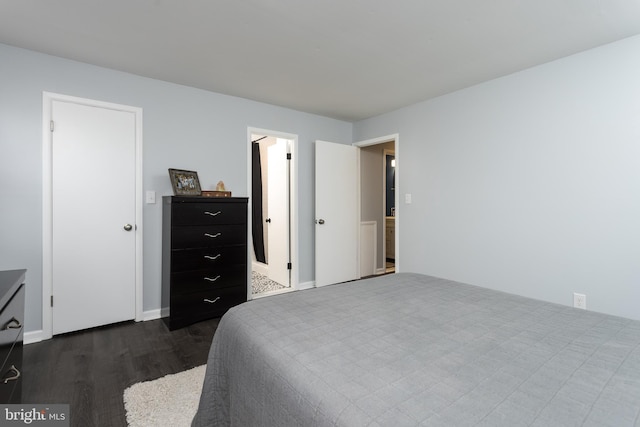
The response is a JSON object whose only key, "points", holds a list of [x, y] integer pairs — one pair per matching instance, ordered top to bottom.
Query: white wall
{"points": [[184, 128], [529, 183]]}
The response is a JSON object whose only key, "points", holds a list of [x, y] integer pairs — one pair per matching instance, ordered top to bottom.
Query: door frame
{"points": [[381, 140], [47, 202], [293, 206]]}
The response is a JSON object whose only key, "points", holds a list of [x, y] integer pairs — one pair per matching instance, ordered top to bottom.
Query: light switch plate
{"points": [[150, 197]]}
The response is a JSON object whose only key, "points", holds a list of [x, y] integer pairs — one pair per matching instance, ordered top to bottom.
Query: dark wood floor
{"points": [[90, 369]]}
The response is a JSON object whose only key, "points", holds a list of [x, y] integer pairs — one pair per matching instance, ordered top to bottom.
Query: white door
{"points": [[337, 211], [278, 212], [93, 231]]}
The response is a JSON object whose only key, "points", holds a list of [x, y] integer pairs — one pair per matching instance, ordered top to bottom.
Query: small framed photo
{"points": [[185, 183]]}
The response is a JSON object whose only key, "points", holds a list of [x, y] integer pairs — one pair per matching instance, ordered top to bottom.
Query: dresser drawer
{"points": [[209, 213], [207, 236], [207, 258], [209, 280], [205, 305], [11, 324], [11, 391]]}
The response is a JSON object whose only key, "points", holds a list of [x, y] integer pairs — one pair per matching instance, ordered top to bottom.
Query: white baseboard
{"points": [[306, 285], [152, 314], [33, 336]]}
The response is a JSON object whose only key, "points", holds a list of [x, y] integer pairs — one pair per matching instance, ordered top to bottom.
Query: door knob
{"points": [[268, 220], [320, 221], [128, 227]]}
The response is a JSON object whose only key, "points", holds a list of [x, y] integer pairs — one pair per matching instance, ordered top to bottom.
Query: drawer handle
{"points": [[212, 213], [213, 236], [212, 257], [212, 280], [211, 301], [13, 324], [15, 376]]}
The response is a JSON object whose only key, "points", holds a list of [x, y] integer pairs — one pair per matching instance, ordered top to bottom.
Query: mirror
{"points": [[390, 183]]}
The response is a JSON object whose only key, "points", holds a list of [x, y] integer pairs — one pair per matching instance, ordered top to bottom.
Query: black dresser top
{"points": [[200, 199], [10, 281]]}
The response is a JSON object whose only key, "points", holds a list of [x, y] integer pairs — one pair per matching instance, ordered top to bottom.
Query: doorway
{"points": [[352, 178], [389, 190], [379, 202], [92, 220], [273, 229]]}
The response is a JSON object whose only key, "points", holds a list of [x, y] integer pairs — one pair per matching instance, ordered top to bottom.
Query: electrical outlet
{"points": [[580, 301]]}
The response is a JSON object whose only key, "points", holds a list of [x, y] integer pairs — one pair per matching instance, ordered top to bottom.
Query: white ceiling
{"points": [[347, 59]]}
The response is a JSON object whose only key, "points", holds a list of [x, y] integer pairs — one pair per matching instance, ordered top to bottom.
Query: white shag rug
{"points": [[169, 401]]}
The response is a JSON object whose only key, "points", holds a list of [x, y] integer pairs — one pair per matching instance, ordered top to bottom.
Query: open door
{"points": [[337, 213], [278, 242]]}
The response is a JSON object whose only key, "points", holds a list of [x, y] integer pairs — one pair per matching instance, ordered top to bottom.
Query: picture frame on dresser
{"points": [[184, 182]]}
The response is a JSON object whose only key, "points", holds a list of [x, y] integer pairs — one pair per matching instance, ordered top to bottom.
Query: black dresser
{"points": [[204, 257], [11, 334]]}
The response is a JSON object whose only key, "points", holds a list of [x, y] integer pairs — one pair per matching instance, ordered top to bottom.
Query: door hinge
{"points": [[51, 125], [288, 156], [289, 266], [51, 300]]}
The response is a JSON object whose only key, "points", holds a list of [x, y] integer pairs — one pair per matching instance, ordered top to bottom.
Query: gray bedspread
{"points": [[409, 349]]}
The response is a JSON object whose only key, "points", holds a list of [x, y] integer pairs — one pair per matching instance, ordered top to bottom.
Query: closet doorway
{"points": [[82, 140], [273, 230]]}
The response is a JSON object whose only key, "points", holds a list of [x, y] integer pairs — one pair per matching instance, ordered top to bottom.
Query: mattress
{"points": [[410, 349]]}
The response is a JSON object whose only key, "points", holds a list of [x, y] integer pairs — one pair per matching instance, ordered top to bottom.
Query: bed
{"points": [[410, 349]]}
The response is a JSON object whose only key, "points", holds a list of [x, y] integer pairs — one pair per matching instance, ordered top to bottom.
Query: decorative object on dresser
{"points": [[184, 183], [220, 191], [215, 193], [204, 257], [11, 333]]}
